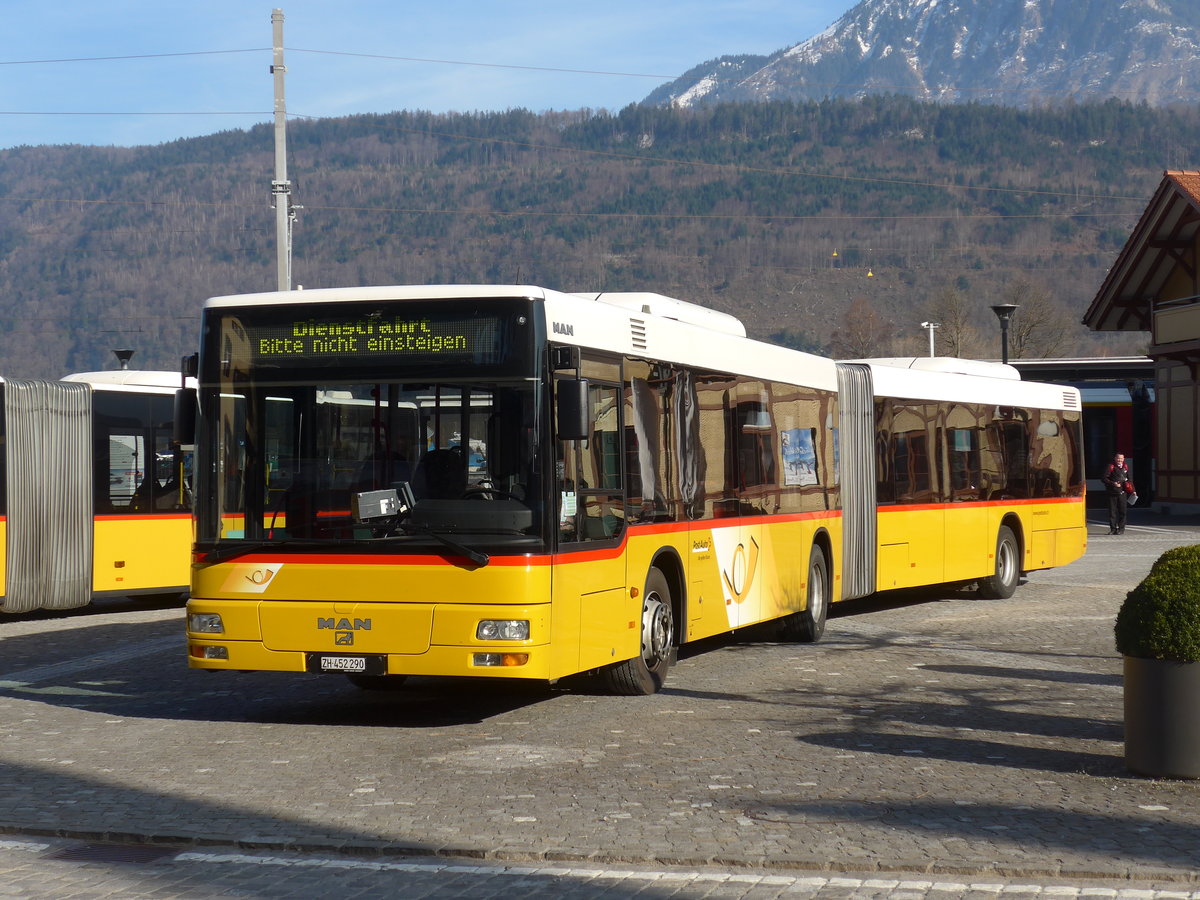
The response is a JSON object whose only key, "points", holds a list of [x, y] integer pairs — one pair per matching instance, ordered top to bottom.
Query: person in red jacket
{"points": [[1119, 485]]}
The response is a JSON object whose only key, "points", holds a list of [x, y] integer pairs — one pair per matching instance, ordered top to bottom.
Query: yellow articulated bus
{"points": [[970, 474], [507, 481], [94, 500]]}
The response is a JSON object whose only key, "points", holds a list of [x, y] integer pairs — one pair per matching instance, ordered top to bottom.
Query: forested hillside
{"points": [[839, 225]]}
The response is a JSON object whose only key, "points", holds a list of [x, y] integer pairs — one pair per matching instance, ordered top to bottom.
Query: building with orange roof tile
{"points": [[1154, 286]]}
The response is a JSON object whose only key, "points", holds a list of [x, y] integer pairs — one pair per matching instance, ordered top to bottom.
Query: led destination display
{"points": [[374, 338]]}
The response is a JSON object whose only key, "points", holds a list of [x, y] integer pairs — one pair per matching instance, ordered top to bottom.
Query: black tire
{"points": [[1003, 582], [816, 609], [808, 625], [646, 672], [377, 682]]}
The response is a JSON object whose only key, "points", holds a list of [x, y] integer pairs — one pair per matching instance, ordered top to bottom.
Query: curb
{"points": [[389, 850]]}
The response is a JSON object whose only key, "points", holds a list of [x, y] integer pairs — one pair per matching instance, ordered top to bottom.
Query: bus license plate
{"points": [[370, 664]]}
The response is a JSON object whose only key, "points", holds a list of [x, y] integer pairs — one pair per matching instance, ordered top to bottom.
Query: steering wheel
{"points": [[487, 493]]}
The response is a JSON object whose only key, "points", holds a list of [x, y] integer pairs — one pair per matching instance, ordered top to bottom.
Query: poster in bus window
{"points": [[799, 457], [837, 466]]}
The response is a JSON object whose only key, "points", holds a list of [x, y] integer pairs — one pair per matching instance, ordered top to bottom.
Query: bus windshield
{"points": [[389, 465]]}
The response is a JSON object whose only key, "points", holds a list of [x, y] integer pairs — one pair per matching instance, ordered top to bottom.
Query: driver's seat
{"points": [[441, 474]]}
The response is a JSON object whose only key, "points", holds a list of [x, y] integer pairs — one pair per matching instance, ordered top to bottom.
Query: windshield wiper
{"points": [[241, 548], [476, 556]]}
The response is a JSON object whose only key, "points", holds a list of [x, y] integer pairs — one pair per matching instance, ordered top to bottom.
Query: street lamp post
{"points": [[1004, 312], [931, 327]]}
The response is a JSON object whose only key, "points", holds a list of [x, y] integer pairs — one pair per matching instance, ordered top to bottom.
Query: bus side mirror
{"points": [[572, 409], [183, 430]]}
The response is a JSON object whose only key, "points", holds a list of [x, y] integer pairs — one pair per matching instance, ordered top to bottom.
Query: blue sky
{"points": [[54, 90]]}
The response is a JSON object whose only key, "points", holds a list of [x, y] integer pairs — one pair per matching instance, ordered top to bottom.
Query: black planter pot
{"points": [[1162, 717]]}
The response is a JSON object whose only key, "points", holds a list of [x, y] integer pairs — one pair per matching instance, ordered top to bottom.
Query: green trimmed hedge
{"points": [[1160, 618]]}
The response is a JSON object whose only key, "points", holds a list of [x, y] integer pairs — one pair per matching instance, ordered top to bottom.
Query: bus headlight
{"points": [[205, 623], [502, 630]]}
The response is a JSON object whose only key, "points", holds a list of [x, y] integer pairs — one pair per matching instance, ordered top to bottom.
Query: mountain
{"points": [[1024, 53]]}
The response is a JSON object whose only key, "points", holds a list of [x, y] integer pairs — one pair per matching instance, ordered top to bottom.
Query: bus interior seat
{"points": [[440, 475]]}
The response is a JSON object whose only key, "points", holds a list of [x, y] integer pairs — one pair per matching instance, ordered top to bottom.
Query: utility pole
{"points": [[281, 188], [931, 327]]}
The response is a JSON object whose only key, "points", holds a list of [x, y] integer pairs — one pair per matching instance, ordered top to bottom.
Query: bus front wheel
{"points": [[1002, 584], [808, 625], [645, 673]]}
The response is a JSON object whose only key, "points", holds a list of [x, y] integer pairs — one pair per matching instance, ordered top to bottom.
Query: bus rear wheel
{"points": [[1002, 584], [646, 672]]}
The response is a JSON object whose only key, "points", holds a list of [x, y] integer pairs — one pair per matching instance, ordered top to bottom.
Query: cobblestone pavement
{"points": [[932, 744]]}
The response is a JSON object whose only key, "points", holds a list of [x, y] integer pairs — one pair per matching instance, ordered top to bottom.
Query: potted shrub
{"points": [[1158, 633]]}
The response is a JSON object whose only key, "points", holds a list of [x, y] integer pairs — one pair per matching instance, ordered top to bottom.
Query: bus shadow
{"points": [[904, 597], [103, 606], [139, 670], [160, 691], [419, 703]]}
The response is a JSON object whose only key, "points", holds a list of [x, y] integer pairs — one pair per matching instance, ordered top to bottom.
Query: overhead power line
{"points": [[76, 59], [447, 62], [460, 62], [230, 112]]}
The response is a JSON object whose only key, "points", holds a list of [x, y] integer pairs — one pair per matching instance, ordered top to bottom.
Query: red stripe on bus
{"points": [[973, 504], [142, 517], [709, 524], [363, 559]]}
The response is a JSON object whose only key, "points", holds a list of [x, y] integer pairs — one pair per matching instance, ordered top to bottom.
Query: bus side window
{"points": [[1073, 432], [962, 451], [651, 454], [1016, 459], [912, 463], [991, 463], [129, 482], [567, 489], [591, 501], [601, 517]]}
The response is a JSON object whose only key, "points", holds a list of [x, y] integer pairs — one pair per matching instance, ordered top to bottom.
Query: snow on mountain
{"points": [[1012, 52]]}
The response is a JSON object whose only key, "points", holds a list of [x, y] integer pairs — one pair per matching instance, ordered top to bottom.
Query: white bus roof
{"points": [[387, 292], [670, 308], [950, 364], [130, 379], [966, 381]]}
